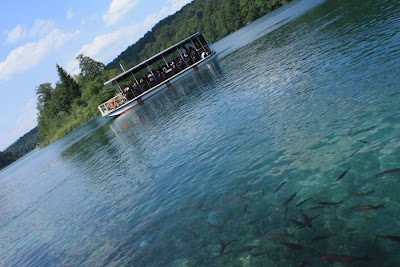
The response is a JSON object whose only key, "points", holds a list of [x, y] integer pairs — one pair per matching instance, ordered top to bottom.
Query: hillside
{"points": [[214, 18], [25, 144], [19, 148]]}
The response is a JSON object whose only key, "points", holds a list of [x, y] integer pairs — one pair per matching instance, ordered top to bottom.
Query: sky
{"points": [[37, 35]]}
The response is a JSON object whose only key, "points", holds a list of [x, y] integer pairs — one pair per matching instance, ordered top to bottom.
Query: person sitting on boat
{"points": [[193, 54], [187, 59], [179, 62], [158, 74], [151, 78], [143, 85], [135, 89], [128, 93]]}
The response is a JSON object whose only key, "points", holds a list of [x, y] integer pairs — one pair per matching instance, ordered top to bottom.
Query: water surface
{"points": [[301, 95]]}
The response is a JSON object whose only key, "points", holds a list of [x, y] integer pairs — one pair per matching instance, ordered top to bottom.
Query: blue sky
{"points": [[37, 35]]}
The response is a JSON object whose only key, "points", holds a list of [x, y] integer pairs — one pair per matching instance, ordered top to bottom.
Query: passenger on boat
{"points": [[193, 54], [187, 58], [179, 62], [158, 74], [151, 78], [143, 84], [134, 88], [128, 93]]}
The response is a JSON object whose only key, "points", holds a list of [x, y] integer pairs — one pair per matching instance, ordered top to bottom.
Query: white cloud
{"points": [[118, 9], [70, 14], [90, 18], [40, 28], [16, 34], [26, 56], [25, 122]]}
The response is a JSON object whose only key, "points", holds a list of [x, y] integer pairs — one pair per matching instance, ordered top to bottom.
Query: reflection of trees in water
{"points": [[164, 105], [119, 149]]}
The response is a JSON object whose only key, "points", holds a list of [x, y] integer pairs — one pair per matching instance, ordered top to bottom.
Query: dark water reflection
{"points": [[303, 94]]}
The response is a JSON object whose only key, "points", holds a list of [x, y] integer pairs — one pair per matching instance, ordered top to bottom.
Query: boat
{"points": [[144, 80]]}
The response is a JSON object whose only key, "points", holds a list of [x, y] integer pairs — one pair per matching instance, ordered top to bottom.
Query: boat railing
{"points": [[112, 104]]}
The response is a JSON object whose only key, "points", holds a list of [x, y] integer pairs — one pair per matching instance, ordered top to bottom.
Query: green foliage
{"points": [[214, 18], [73, 101], [22, 146], [6, 158]]}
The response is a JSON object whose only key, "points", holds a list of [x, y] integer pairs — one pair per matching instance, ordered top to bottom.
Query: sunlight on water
{"points": [[285, 151]]}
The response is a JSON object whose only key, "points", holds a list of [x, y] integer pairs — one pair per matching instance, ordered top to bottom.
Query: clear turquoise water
{"points": [[290, 97]]}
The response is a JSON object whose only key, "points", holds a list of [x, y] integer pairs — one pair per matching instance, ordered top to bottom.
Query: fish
{"points": [[363, 131], [365, 142], [355, 152], [389, 171], [342, 175], [280, 186], [262, 192], [362, 194], [246, 198], [215, 199], [231, 199], [289, 199], [304, 201], [330, 203], [196, 206], [318, 207], [367, 207], [245, 208], [214, 209], [286, 211], [256, 220], [308, 220], [297, 223], [218, 227], [191, 233], [278, 236], [389, 237], [317, 238], [223, 245], [291, 245], [248, 248], [144, 254], [222, 254], [258, 254], [332, 258]]}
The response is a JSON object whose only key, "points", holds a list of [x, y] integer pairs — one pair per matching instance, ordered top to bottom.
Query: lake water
{"points": [[188, 179]]}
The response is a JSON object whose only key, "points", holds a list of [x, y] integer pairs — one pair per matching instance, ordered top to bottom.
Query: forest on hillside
{"points": [[214, 18], [73, 101], [21, 147]]}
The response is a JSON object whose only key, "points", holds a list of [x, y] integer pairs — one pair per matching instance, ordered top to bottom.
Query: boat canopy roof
{"points": [[147, 62]]}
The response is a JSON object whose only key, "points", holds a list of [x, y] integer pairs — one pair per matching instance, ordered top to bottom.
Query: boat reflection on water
{"points": [[187, 91]]}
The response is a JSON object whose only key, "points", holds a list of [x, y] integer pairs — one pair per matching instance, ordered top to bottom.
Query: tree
{"points": [[89, 67], [70, 87], [43, 93], [6, 158]]}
